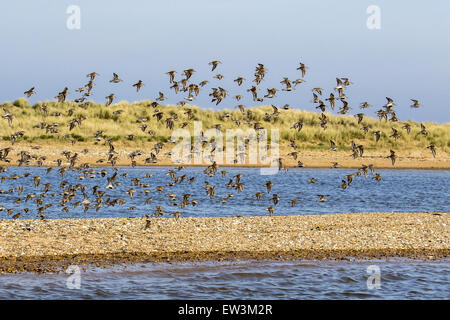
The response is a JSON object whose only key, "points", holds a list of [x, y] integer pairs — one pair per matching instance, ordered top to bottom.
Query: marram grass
{"points": [[342, 129]]}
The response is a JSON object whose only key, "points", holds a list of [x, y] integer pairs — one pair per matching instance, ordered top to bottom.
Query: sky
{"points": [[407, 58]]}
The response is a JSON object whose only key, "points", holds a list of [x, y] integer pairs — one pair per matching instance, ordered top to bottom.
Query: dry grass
{"points": [[342, 129]]}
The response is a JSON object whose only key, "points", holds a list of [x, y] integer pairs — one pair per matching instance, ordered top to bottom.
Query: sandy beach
{"points": [[414, 159], [51, 245]]}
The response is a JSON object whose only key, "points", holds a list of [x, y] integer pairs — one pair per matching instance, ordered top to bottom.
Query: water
{"points": [[399, 190], [399, 279]]}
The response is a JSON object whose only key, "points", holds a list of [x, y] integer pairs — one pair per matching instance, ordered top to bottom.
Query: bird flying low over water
{"points": [[392, 156], [335, 165], [377, 177], [269, 185], [258, 195], [275, 199], [293, 202]]}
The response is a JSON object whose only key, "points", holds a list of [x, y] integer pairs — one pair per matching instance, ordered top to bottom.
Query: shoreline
{"points": [[412, 159], [168, 165], [52, 245]]}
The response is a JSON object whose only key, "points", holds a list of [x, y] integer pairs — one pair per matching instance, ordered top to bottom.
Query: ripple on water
{"points": [[385, 196], [400, 279], [347, 280]]}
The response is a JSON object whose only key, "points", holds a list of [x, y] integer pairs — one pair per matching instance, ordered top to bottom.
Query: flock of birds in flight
{"points": [[101, 199]]}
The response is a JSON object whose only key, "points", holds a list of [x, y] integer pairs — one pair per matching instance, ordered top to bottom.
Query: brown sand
{"points": [[407, 159], [52, 245]]}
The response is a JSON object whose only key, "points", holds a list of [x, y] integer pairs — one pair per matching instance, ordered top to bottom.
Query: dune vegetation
{"points": [[120, 122]]}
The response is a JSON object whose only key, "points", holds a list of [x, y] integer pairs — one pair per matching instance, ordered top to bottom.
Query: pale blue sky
{"points": [[409, 58]]}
